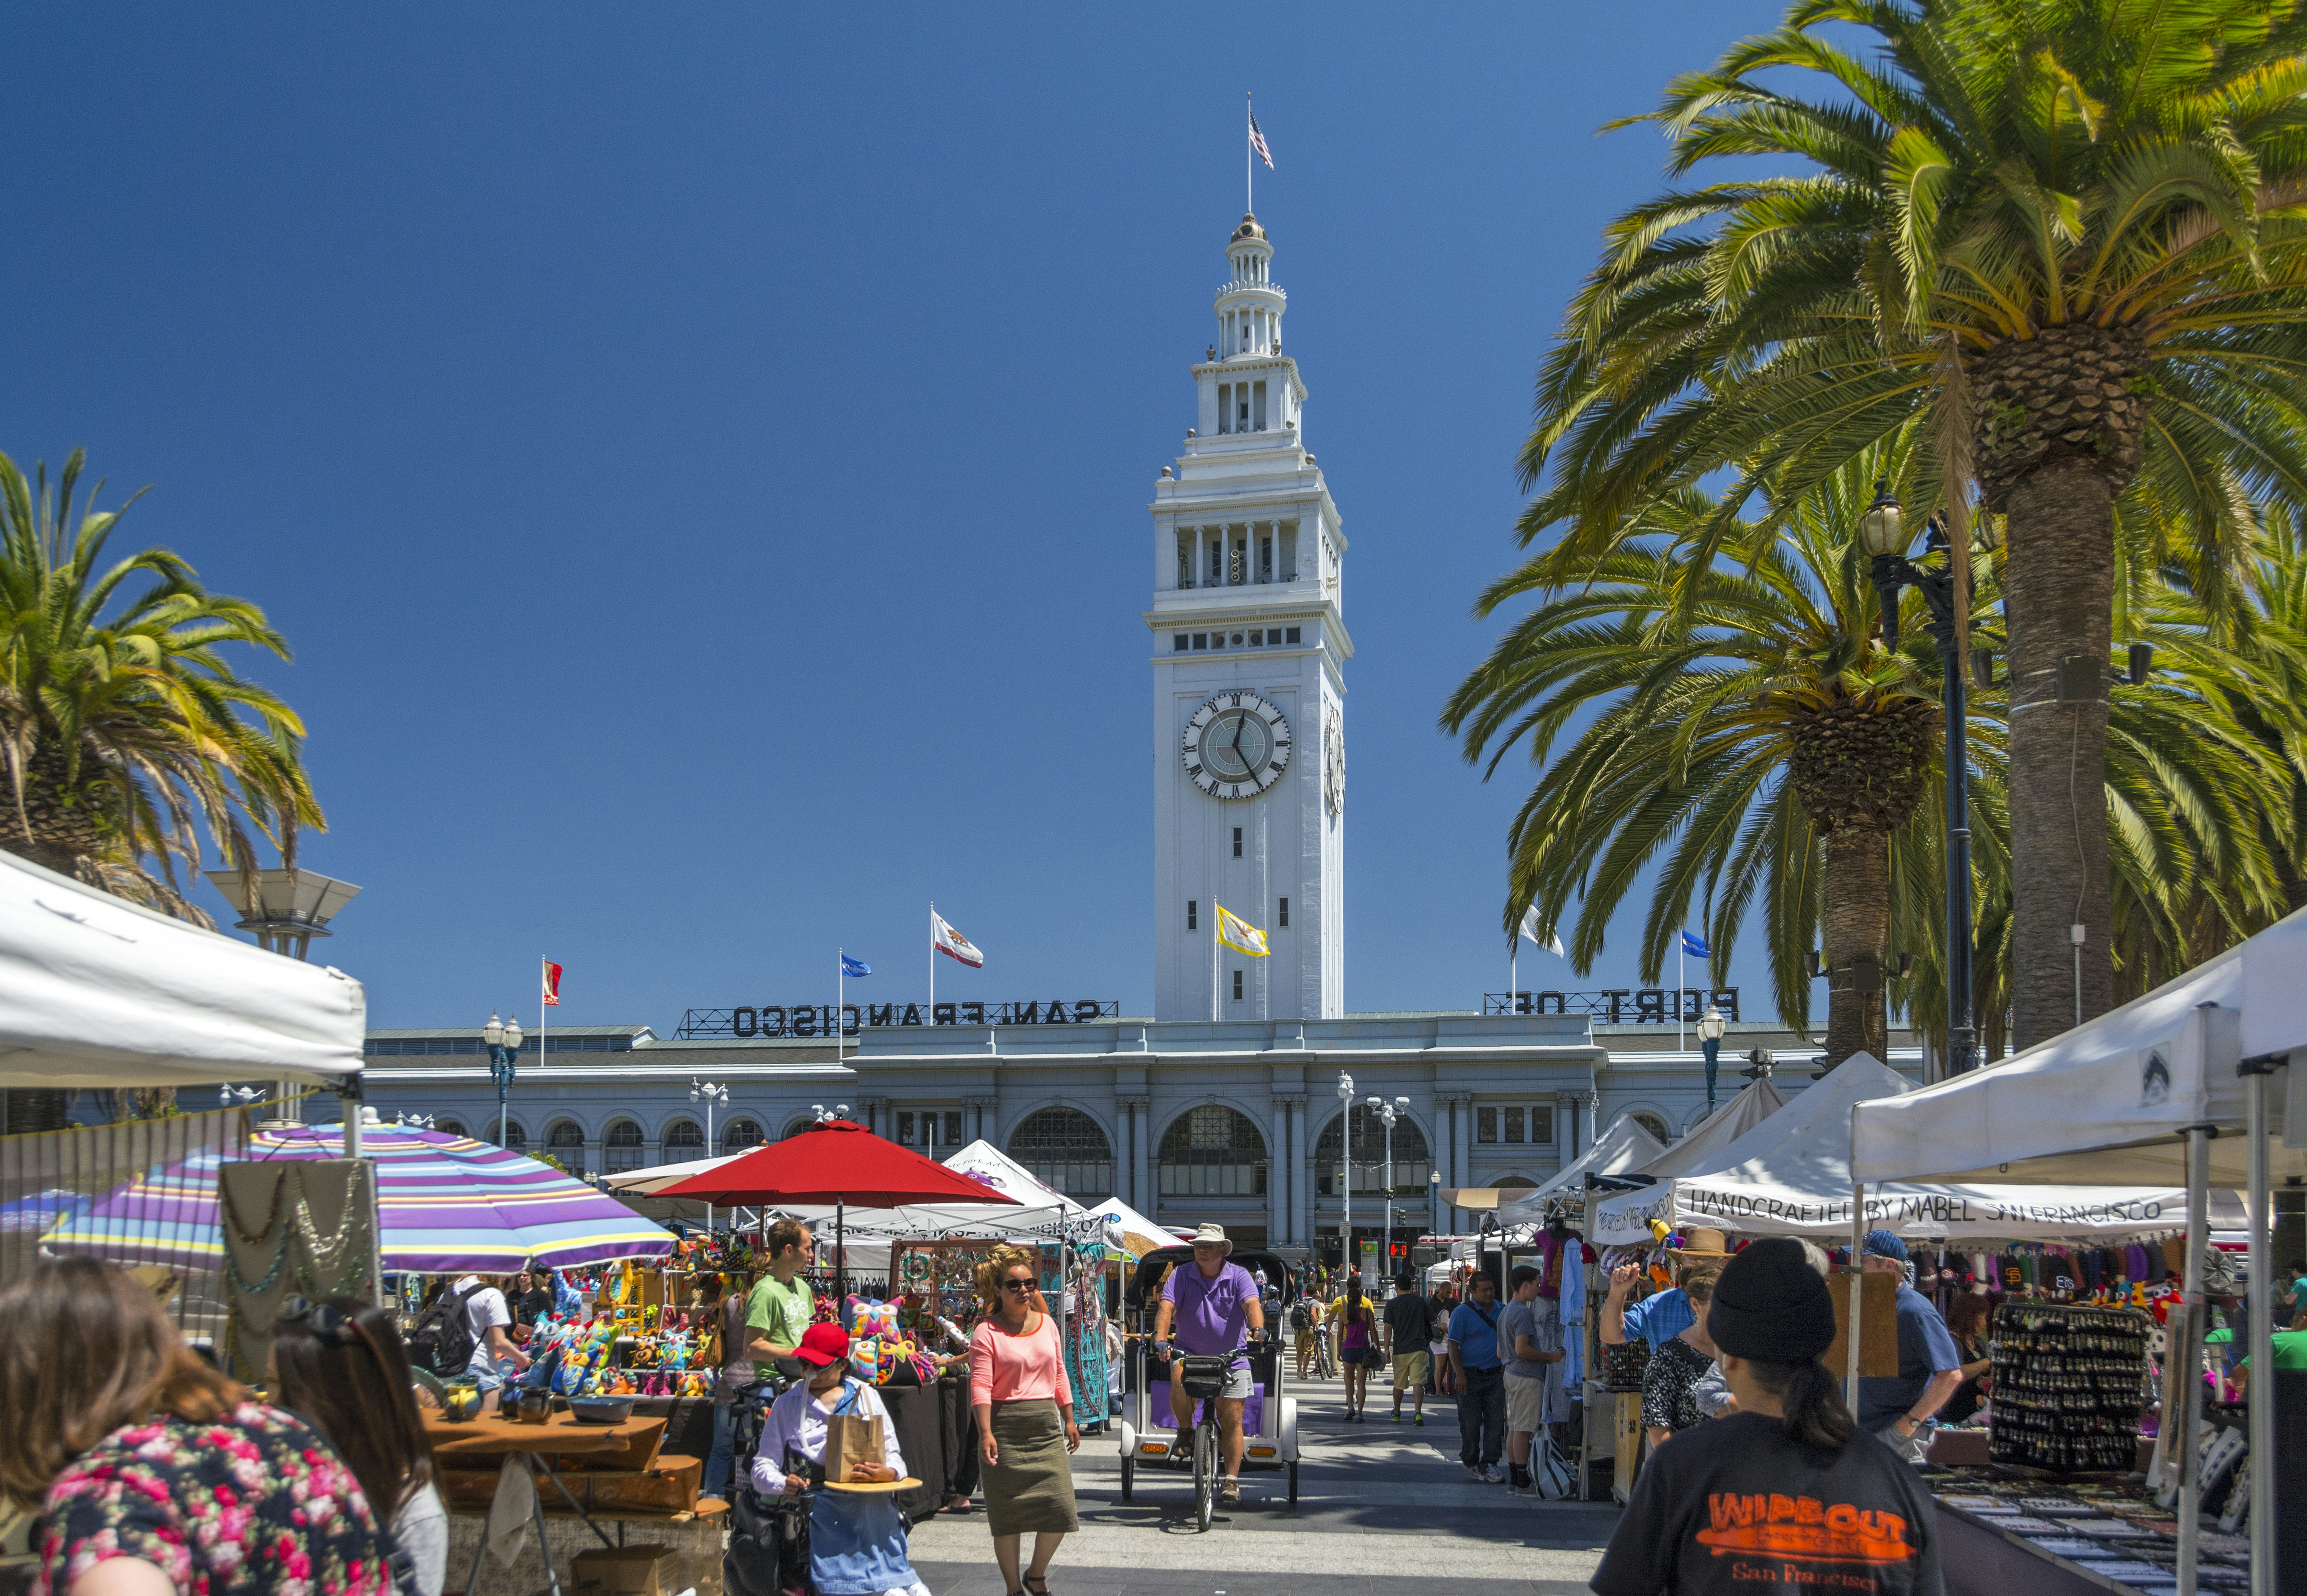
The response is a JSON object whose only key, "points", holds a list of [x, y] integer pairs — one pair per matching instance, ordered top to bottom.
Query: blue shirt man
{"points": [[1660, 1319], [1474, 1326], [1897, 1408]]}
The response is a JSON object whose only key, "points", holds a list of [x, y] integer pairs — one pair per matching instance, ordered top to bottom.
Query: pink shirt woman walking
{"points": [[1025, 1409]]}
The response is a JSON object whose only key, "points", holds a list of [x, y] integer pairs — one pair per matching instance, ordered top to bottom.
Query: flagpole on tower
{"points": [[1248, 171], [932, 961]]}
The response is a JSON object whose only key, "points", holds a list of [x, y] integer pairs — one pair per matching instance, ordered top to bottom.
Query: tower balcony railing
{"points": [[1241, 285], [1266, 580]]}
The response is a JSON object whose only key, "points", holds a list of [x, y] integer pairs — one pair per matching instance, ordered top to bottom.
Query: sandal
{"points": [[1038, 1584]]}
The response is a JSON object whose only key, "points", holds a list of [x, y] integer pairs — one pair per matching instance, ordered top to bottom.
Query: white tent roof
{"points": [[95, 992], [2109, 1100], [1713, 1133], [1623, 1147], [1791, 1175], [1006, 1176], [650, 1181], [1140, 1234]]}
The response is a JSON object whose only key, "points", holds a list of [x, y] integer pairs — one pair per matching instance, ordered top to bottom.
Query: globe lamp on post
{"points": [[1710, 1027], [503, 1040], [1346, 1169]]}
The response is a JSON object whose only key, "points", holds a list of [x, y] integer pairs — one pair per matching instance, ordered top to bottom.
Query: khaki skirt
{"points": [[1031, 1491]]}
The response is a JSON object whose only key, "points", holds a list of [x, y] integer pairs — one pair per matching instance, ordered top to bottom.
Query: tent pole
{"points": [[1857, 1292], [2256, 1308], [2191, 1342]]}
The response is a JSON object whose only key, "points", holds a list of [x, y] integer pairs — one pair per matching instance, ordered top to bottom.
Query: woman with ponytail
{"points": [[1789, 1481]]}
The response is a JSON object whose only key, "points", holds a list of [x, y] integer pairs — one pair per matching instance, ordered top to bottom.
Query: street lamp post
{"points": [[1882, 530], [285, 909], [1710, 1027], [504, 1048], [709, 1093], [1389, 1112], [1346, 1168]]}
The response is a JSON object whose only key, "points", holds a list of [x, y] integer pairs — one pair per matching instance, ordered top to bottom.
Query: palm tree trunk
{"points": [[2059, 595], [1854, 912]]}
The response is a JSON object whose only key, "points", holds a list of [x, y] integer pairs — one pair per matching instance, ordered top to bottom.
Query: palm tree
{"points": [[2061, 236], [1745, 724], [123, 729], [1747, 734]]}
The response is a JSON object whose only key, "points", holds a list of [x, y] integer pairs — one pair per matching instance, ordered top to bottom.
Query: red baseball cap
{"points": [[823, 1344]]}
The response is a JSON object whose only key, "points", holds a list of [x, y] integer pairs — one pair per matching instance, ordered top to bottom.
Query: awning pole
{"points": [[1858, 1296], [2258, 1307], [2188, 1348]]}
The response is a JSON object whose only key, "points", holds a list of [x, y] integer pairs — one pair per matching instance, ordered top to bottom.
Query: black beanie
{"points": [[1770, 1304]]}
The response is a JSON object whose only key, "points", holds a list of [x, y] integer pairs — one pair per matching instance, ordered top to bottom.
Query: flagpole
{"points": [[1249, 176], [1217, 921], [932, 961], [840, 969], [1681, 980]]}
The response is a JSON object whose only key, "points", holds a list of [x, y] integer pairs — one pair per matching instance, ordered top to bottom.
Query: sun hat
{"points": [[1213, 1233], [1705, 1243], [1883, 1244], [1770, 1304], [823, 1344]]}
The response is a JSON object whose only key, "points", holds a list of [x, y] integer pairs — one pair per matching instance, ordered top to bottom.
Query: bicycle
{"points": [[1325, 1352]]}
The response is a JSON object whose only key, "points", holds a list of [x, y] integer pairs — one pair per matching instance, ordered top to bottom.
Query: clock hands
{"points": [[1240, 725]]}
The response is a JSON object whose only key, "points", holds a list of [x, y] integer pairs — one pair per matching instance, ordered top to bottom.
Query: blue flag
{"points": [[1694, 944], [856, 967]]}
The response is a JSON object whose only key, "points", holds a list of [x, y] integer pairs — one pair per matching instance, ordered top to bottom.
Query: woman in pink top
{"points": [[1025, 1411]]}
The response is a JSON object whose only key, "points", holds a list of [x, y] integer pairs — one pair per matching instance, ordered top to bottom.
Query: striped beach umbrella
{"points": [[445, 1204]]}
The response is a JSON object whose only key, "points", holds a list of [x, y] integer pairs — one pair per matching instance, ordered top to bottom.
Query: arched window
{"points": [[1650, 1123], [450, 1127], [795, 1127], [741, 1134], [515, 1137], [685, 1138], [566, 1142], [620, 1149], [1068, 1151], [1213, 1151], [1412, 1162], [1517, 1183]]}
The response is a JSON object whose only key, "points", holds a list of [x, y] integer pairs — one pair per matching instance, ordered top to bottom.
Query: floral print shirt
{"points": [[254, 1502]]}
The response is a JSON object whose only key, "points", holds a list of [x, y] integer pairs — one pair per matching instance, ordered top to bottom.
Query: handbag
{"points": [[1549, 1471]]}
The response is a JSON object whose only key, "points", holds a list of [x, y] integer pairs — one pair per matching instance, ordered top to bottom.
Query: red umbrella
{"points": [[838, 1163]]}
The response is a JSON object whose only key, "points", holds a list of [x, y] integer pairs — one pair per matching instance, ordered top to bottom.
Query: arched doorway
{"points": [[1066, 1151], [1212, 1151], [1412, 1161]]}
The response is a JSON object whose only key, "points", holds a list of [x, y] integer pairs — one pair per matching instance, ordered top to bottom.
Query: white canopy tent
{"points": [[95, 992], [2193, 1077], [1708, 1137], [1625, 1145], [982, 1161], [1790, 1175], [650, 1181], [1139, 1234]]}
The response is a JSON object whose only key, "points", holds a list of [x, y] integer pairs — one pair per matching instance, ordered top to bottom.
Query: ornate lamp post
{"points": [[1882, 530], [285, 909], [1710, 1027], [504, 1048], [708, 1094], [1389, 1112], [414, 1122], [1346, 1168]]}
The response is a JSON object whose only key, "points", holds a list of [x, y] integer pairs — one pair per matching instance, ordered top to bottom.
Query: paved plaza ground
{"points": [[1382, 1511]]}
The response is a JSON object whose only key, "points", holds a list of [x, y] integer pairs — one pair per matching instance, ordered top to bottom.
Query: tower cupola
{"points": [[1249, 306]]}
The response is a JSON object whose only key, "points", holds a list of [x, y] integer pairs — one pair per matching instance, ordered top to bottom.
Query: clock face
{"points": [[1236, 746]]}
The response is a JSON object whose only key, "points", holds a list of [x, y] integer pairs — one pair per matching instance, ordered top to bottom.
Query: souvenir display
{"points": [[2069, 1384]]}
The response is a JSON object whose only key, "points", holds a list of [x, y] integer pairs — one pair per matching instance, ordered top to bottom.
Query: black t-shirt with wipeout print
{"points": [[1734, 1508]]}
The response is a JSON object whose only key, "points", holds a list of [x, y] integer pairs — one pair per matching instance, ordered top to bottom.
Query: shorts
{"points": [[1303, 1343], [1411, 1370], [1525, 1404]]}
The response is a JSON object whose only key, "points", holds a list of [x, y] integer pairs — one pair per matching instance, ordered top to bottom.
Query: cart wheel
{"points": [[1129, 1476], [1293, 1485]]}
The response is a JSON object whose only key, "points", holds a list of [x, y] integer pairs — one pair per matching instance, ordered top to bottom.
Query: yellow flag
{"points": [[1240, 935]]}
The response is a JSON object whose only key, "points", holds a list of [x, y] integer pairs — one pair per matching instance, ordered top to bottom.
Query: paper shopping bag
{"points": [[850, 1438]]}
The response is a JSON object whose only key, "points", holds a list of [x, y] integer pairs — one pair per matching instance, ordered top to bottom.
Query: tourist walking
{"points": [[782, 1308], [729, 1310], [1409, 1318], [1305, 1331], [1529, 1333], [1437, 1339], [1357, 1346], [340, 1365], [1481, 1380], [1902, 1408], [1025, 1409], [120, 1438], [1704, 1517]]}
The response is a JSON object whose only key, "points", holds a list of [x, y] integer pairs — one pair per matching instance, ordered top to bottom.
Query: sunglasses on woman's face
{"points": [[1016, 1286]]}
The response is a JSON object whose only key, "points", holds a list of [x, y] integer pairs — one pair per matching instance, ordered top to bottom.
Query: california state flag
{"points": [[952, 943], [552, 984]]}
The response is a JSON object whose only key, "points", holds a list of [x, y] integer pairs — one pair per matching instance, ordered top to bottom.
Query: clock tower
{"points": [[1249, 645]]}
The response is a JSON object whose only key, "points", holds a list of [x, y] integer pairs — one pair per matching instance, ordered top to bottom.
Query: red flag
{"points": [[552, 984]]}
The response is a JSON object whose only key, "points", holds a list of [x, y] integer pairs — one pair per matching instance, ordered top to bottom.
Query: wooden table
{"points": [[562, 1435]]}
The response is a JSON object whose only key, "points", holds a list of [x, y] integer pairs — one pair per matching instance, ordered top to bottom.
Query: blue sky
{"points": [[701, 454]]}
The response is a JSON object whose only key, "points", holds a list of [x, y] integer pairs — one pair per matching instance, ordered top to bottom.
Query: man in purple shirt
{"points": [[1208, 1305]]}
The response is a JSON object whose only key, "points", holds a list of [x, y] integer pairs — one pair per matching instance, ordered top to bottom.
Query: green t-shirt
{"points": [[783, 1313], [2290, 1346]]}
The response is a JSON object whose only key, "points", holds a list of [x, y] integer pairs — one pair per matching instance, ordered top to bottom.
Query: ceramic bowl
{"points": [[601, 1409]]}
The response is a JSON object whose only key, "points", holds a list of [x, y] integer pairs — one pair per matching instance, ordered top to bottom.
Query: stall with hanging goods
{"points": [[2189, 1081]]}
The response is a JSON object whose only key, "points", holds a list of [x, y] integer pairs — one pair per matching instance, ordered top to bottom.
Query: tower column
{"points": [[1279, 1175], [1301, 1176]]}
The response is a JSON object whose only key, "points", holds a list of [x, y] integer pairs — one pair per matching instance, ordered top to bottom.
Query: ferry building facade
{"points": [[1226, 1104]]}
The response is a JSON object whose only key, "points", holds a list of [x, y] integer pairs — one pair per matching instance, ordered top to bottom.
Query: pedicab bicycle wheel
{"points": [[1206, 1472]]}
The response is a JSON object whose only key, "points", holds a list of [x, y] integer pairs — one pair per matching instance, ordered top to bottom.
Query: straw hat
{"points": [[1705, 1243]]}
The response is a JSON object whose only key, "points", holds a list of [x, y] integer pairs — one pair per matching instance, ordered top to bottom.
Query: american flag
{"points": [[1258, 142]]}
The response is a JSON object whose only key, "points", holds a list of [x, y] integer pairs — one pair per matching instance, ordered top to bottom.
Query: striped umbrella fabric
{"points": [[445, 1204]]}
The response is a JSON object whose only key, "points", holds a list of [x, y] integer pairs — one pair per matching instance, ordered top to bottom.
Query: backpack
{"points": [[1300, 1317], [443, 1342]]}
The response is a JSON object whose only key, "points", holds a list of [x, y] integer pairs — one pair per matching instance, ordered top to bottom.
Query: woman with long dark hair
{"points": [[338, 1365], [153, 1475], [1786, 1482]]}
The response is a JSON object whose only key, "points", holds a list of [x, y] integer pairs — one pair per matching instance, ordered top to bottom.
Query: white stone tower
{"points": [[1249, 645]]}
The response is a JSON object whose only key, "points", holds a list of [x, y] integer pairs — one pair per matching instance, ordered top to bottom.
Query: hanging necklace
{"points": [[232, 1214], [323, 1254]]}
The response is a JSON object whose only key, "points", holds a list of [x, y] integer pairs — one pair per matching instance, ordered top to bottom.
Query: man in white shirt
{"points": [[495, 1360]]}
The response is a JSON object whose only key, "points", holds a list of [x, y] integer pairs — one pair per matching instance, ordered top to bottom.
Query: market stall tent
{"points": [[95, 992], [1713, 1133], [1625, 1146], [982, 1161], [1791, 1175], [650, 1181], [1139, 1234]]}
